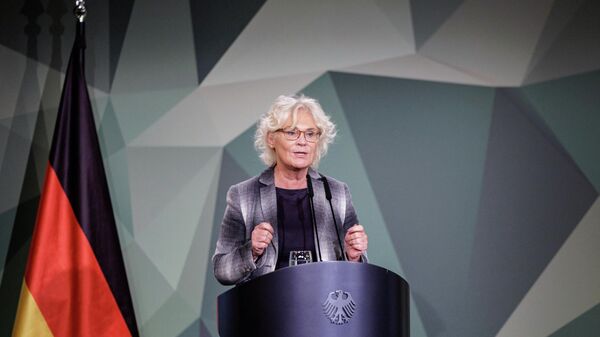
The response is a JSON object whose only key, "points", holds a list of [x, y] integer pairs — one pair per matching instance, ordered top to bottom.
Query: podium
{"points": [[324, 299]]}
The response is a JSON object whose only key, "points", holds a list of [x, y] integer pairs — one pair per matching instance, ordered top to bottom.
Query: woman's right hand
{"points": [[262, 234]]}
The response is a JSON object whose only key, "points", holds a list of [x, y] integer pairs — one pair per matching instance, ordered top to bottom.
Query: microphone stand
{"points": [[311, 194], [337, 232]]}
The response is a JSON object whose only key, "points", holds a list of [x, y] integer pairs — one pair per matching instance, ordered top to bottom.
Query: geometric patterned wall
{"points": [[468, 133]]}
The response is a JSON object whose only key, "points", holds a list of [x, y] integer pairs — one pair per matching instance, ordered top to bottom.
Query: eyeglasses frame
{"points": [[300, 132]]}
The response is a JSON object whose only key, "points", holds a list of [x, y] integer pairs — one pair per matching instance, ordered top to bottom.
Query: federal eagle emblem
{"points": [[339, 307]]}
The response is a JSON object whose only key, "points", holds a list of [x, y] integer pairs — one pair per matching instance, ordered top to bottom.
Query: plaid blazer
{"points": [[254, 201]]}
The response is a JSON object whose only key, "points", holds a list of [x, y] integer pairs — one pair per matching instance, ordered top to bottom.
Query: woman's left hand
{"points": [[356, 242]]}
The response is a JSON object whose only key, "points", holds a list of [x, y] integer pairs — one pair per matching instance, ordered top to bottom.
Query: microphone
{"points": [[311, 194], [329, 197]]}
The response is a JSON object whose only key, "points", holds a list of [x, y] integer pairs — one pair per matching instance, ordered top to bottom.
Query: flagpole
{"points": [[80, 11]]}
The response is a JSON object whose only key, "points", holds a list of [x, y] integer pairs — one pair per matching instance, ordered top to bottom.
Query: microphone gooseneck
{"points": [[311, 194], [337, 232]]}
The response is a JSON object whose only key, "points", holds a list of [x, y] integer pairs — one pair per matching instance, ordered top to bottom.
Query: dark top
{"points": [[294, 224]]}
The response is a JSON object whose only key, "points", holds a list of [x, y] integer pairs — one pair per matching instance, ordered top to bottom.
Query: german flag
{"points": [[75, 282]]}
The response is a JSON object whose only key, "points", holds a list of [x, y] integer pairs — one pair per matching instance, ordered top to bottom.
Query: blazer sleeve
{"points": [[350, 218], [232, 261]]}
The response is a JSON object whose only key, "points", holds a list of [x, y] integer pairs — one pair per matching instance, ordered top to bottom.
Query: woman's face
{"points": [[295, 154]]}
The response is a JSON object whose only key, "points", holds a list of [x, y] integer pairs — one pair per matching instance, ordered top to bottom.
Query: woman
{"points": [[269, 215]]}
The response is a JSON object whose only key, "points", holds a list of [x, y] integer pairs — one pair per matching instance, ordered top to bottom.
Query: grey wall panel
{"points": [[222, 19], [532, 197]]}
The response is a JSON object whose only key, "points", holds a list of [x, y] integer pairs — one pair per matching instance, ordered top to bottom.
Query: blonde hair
{"points": [[282, 108]]}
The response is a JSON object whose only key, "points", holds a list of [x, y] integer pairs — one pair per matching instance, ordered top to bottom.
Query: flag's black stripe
{"points": [[76, 158]]}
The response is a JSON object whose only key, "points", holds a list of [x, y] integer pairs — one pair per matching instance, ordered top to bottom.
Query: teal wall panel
{"points": [[569, 106], [424, 146], [586, 325]]}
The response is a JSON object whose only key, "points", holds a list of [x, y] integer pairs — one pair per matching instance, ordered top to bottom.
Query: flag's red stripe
{"points": [[63, 274]]}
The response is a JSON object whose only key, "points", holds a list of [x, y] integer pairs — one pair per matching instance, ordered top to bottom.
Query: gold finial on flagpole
{"points": [[80, 10]]}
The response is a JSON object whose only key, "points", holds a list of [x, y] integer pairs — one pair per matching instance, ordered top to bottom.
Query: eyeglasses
{"points": [[311, 135]]}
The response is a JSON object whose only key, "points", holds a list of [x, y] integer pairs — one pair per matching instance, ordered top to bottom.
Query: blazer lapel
{"points": [[268, 205], [325, 230]]}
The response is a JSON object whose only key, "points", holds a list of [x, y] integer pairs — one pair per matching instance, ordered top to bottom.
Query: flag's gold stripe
{"points": [[29, 321]]}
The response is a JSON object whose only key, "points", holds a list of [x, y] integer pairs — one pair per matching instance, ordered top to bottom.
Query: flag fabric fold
{"points": [[75, 282]]}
